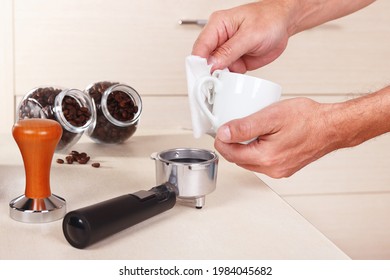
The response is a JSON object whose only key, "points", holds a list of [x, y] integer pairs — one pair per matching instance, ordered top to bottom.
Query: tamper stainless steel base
{"points": [[37, 140], [37, 210]]}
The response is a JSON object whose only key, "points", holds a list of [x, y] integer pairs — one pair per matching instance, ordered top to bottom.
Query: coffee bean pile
{"points": [[40, 104], [120, 106], [75, 114], [75, 156], [81, 158]]}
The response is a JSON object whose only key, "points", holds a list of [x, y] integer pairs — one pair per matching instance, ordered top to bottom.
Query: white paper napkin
{"points": [[196, 67]]}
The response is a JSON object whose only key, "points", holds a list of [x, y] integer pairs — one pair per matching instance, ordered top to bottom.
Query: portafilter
{"points": [[184, 173]]}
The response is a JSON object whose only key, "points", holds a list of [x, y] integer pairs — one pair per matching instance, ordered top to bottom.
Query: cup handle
{"points": [[199, 96]]}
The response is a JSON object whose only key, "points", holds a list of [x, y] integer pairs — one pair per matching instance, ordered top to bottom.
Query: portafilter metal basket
{"points": [[193, 172]]}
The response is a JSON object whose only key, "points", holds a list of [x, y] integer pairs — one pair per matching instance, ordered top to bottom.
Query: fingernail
{"points": [[212, 60], [224, 134]]}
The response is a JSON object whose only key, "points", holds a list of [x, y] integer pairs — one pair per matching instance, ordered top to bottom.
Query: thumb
{"points": [[261, 123], [239, 130]]}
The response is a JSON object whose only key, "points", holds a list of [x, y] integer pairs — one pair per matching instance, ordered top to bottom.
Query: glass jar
{"points": [[72, 108], [118, 110]]}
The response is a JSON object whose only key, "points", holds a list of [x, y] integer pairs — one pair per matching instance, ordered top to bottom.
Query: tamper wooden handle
{"points": [[37, 140]]}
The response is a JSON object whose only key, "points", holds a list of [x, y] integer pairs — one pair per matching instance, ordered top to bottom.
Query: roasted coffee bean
{"points": [[40, 104], [120, 106], [74, 153], [69, 159], [83, 160], [60, 161], [96, 164]]}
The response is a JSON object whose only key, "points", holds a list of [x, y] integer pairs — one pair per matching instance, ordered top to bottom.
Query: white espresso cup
{"points": [[225, 96]]}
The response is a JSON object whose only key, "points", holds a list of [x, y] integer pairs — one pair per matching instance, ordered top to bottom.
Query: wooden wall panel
{"points": [[73, 43], [6, 66]]}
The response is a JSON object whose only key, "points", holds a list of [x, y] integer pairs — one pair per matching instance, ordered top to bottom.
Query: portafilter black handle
{"points": [[91, 224]]}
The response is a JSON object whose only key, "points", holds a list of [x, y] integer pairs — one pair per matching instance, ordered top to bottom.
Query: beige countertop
{"points": [[346, 195], [242, 219]]}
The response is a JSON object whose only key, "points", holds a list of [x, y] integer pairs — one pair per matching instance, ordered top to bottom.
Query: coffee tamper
{"points": [[37, 140]]}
